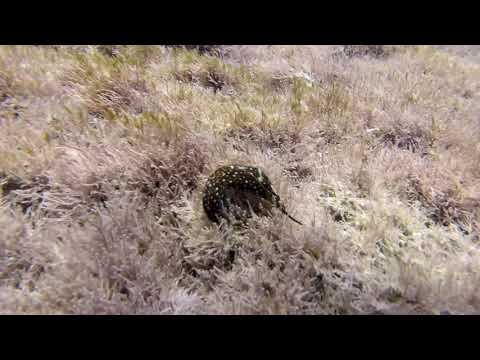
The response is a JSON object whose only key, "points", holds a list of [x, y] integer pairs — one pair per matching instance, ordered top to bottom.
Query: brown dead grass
{"points": [[105, 149]]}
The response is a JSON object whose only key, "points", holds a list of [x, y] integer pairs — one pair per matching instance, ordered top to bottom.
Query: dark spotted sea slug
{"points": [[237, 191]]}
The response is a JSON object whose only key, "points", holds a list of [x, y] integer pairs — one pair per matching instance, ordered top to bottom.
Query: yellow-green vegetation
{"points": [[105, 151]]}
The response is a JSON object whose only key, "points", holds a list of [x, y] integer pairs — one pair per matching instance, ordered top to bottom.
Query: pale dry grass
{"points": [[104, 152]]}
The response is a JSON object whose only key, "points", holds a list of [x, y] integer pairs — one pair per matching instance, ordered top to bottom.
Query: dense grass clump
{"points": [[105, 152]]}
